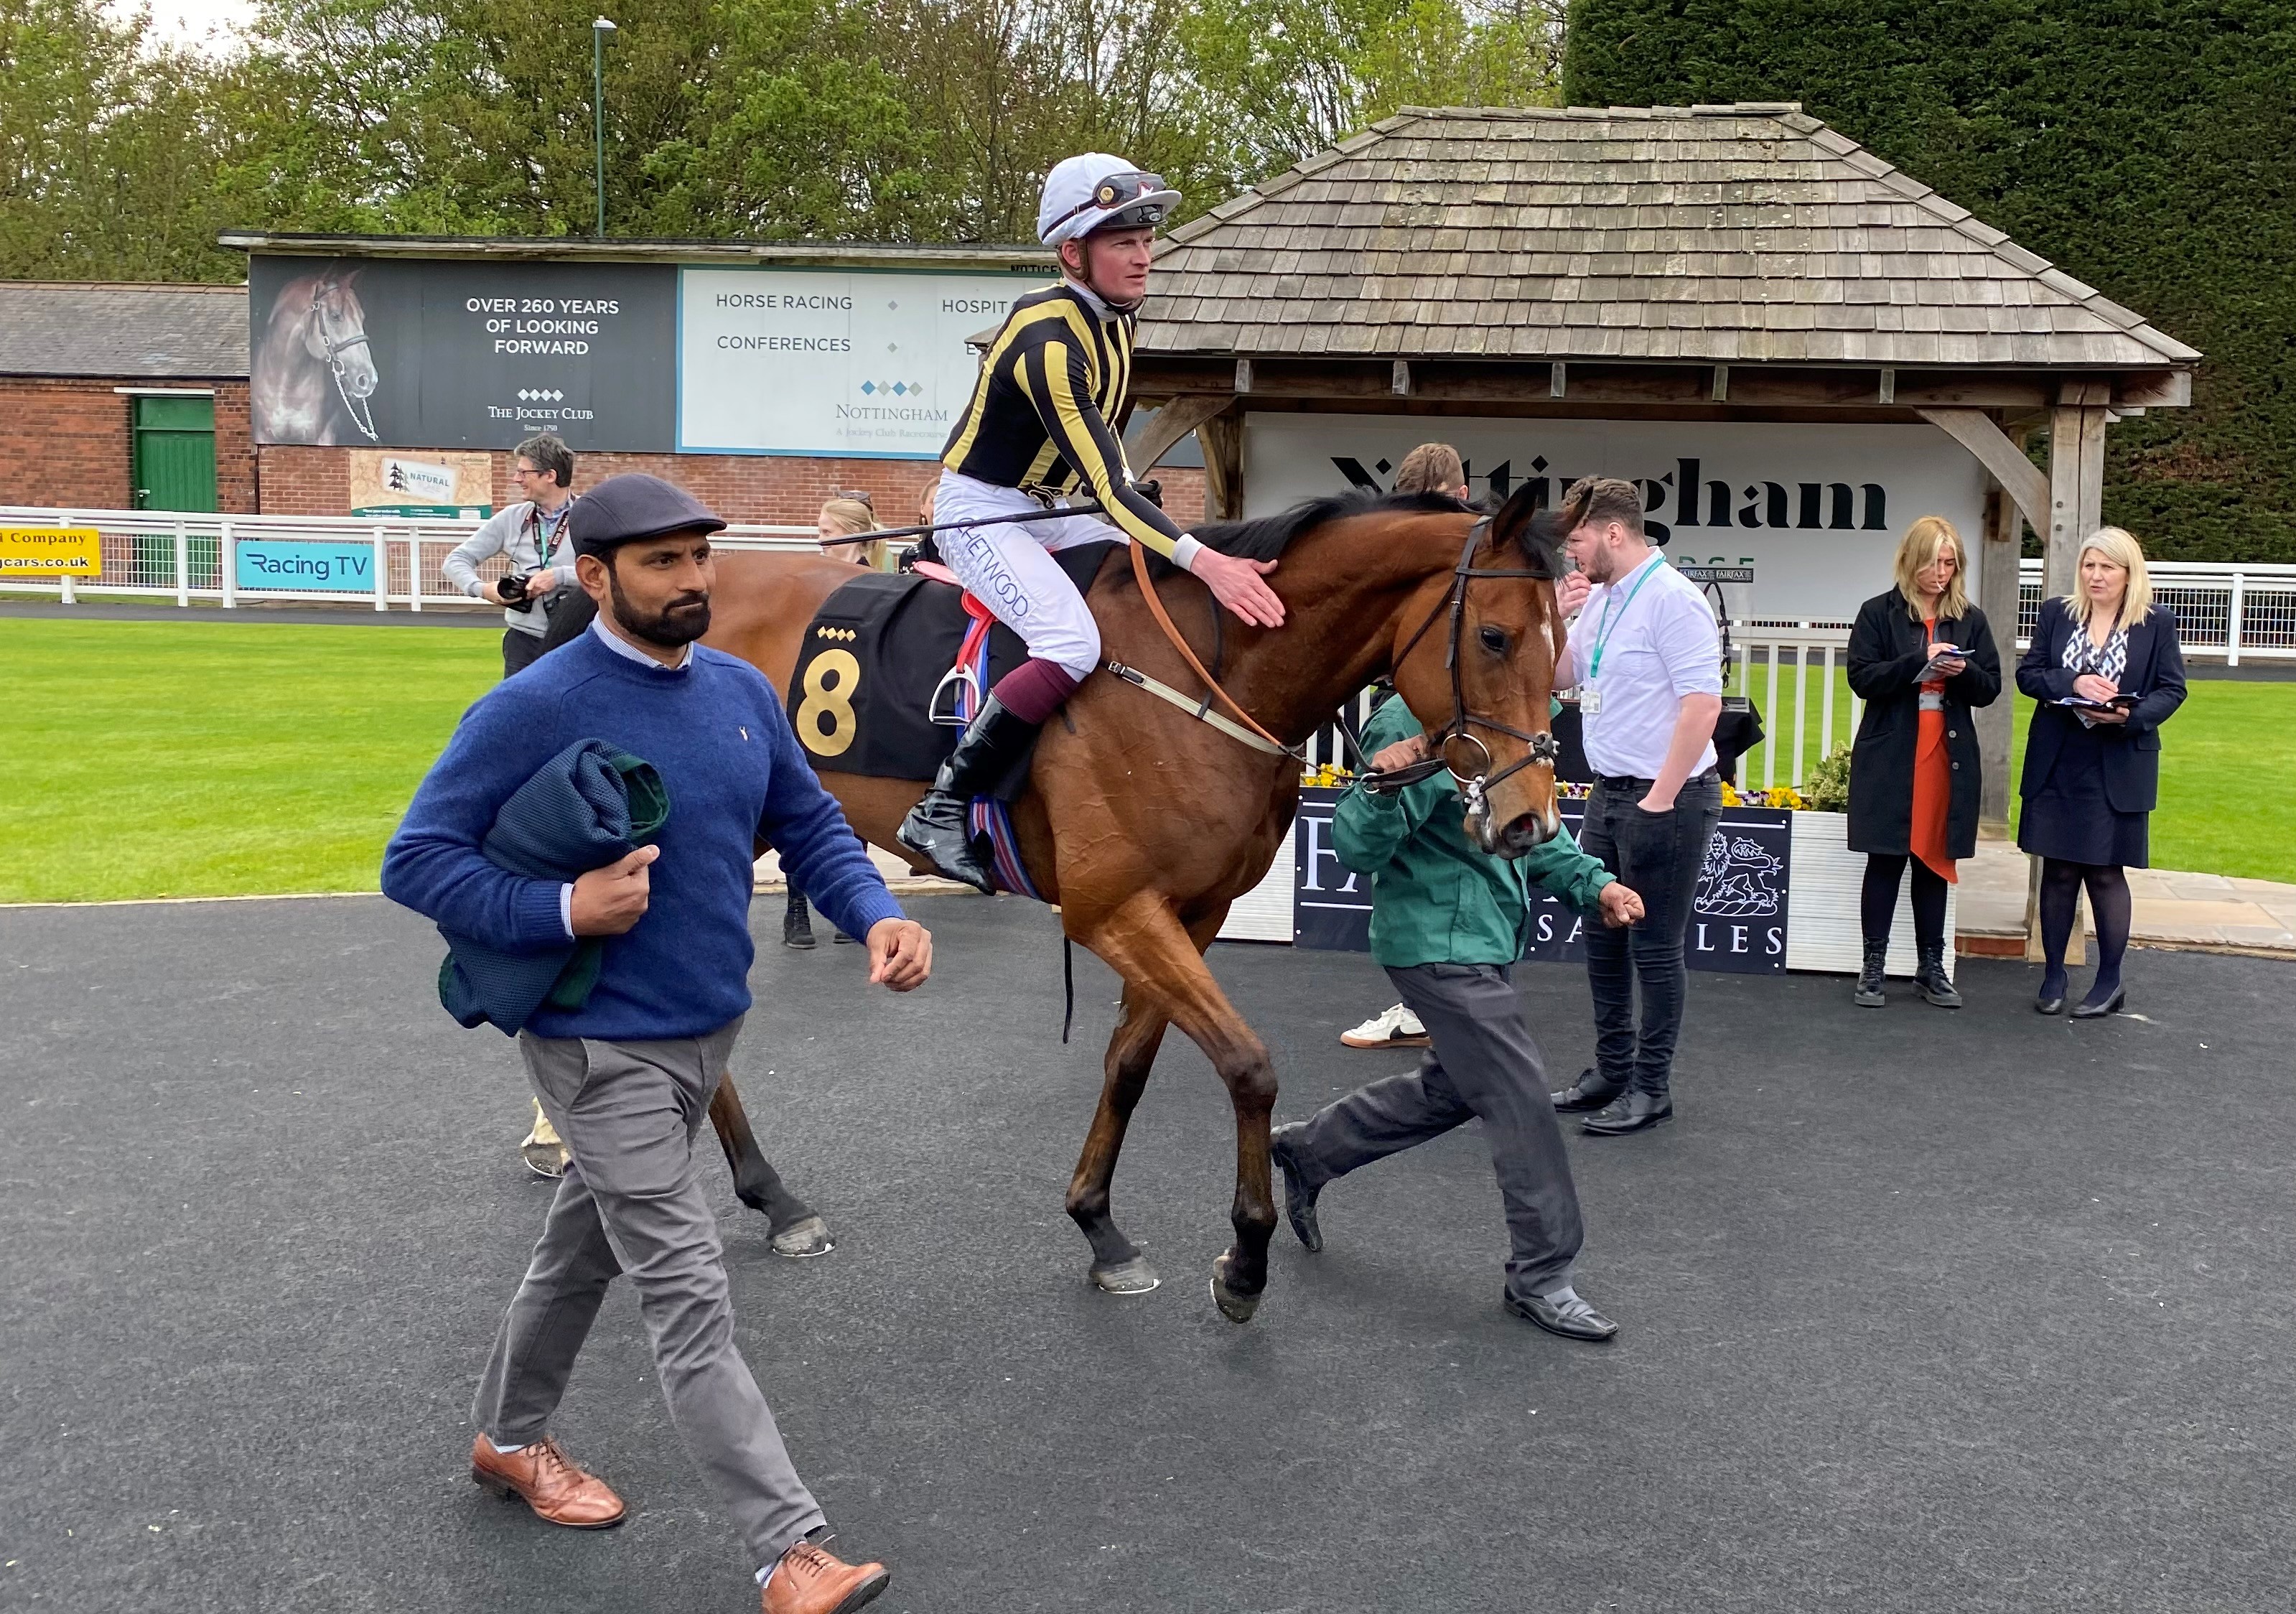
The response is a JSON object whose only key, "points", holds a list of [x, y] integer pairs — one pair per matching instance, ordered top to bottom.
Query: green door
{"points": [[175, 453], [174, 469]]}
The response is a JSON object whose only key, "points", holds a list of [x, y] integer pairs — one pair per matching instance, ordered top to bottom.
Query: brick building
{"points": [[125, 397]]}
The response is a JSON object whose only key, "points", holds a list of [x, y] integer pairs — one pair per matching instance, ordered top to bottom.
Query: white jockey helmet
{"points": [[1097, 191]]}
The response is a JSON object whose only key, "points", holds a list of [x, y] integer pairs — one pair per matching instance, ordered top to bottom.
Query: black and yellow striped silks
{"points": [[1054, 378]]}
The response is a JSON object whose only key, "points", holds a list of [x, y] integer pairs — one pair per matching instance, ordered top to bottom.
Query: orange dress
{"points": [[1933, 780]]}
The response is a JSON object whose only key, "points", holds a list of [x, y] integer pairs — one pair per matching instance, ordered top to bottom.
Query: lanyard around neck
{"points": [[1605, 626]]}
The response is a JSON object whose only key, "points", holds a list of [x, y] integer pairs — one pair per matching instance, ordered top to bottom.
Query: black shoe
{"points": [[940, 828], [797, 930], [844, 940], [1931, 980], [1869, 994], [2050, 1002], [2090, 1008], [1585, 1093], [1635, 1112], [1298, 1198], [1574, 1319]]}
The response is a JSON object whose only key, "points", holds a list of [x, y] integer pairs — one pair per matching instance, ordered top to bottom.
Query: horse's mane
{"points": [[1267, 537]]}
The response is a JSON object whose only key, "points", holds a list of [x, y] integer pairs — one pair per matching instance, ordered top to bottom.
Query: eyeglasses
{"points": [[1119, 190], [860, 495]]}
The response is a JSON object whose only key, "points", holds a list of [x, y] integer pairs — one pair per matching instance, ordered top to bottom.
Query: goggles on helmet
{"points": [[1126, 201]]}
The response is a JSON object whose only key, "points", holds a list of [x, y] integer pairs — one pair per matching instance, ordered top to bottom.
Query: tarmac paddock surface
{"points": [[1920, 1311]]}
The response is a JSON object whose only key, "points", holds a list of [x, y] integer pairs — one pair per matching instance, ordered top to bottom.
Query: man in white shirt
{"points": [[530, 533], [1647, 658]]}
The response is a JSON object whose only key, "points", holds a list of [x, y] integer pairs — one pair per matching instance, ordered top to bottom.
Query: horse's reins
{"points": [[362, 418], [1538, 747]]}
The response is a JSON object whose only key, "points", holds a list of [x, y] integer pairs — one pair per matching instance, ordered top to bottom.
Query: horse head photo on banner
{"points": [[314, 376]]}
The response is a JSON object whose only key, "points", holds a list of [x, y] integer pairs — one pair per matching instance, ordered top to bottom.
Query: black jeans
{"points": [[520, 650], [1658, 857], [1877, 902]]}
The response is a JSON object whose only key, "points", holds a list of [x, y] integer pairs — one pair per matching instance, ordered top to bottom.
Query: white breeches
{"points": [[1010, 568]]}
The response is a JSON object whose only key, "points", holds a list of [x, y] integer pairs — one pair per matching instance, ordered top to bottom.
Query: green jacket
{"points": [[1436, 897]]}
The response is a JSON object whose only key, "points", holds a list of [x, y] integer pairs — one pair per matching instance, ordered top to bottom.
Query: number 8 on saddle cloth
{"points": [[862, 698]]}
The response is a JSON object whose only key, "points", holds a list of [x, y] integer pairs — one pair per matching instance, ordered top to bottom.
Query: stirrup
{"points": [[961, 676]]}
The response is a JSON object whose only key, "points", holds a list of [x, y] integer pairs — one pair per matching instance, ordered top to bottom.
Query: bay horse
{"points": [[313, 370], [1144, 823]]}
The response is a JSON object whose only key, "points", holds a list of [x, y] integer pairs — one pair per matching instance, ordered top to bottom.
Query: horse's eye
{"points": [[1494, 641]]}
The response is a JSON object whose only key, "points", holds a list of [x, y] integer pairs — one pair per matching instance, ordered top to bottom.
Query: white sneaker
{"points": [[1394, 1027]]}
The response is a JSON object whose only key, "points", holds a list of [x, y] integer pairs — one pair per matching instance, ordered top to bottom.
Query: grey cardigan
{"points": [[514, 530]]}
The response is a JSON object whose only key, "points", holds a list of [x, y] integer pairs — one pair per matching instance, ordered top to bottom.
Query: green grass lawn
{"points": [[221, 757], [236, 757], [2227, 769]]}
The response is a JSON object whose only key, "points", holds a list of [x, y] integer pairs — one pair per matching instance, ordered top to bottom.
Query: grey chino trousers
{"points": [[1482, 1063], [631, 1202]]}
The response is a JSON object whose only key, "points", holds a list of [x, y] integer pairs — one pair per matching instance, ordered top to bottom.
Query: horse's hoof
{"points": [[802, 1240], [1132, 1277], [1235, 1307]]}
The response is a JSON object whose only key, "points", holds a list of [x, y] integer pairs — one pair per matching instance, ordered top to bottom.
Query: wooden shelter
{"points": [[1738, 263]]}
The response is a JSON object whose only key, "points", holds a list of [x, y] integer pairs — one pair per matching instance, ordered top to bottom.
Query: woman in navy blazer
{"points": [[2105, 667]]}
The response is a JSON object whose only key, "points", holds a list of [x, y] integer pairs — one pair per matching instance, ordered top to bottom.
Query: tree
{"points": [[2143, 146]]}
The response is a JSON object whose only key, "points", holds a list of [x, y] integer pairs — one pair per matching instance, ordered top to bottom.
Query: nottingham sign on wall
{"points": [[394, 353], [847, 363], [1810, 515]]}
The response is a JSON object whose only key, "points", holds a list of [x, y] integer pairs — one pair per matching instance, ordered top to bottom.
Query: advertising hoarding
{"points": [[398, 352], [850, 364], [444, 486], [1805, 518], [303, 567]]}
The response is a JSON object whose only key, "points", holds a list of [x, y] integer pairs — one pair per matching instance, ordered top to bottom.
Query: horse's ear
{"points": [[1525, 522]]}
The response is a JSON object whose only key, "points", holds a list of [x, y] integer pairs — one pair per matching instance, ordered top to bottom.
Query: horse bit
{"points": [[362, 418], [1538, 748]]}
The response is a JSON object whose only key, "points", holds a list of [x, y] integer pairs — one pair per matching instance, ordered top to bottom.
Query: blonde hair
{"points": [[1431, 467], [855, 517], [2117, 546], [1917, 550]]}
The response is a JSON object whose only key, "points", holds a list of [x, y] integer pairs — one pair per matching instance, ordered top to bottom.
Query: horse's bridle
{"points": [[364, 419], [1538, 748]]}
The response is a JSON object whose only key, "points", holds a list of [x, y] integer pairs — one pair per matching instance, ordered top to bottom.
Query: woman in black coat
{"points": [[1921, 657], [2107, 670]]}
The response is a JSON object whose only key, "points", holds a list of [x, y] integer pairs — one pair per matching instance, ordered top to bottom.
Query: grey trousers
{"points": [[1482, 1063], [631, 1202]]}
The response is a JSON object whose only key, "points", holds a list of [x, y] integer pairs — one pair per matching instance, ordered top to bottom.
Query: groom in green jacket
{"points": [[1448, 922]]}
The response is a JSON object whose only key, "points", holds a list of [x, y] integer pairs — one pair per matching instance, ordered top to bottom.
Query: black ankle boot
{"points": [[939, 827], [797, 923], [1930, 976], [1869, 994]]}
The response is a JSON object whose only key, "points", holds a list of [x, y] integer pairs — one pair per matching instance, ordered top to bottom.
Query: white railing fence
{"points": [[189, 557], [2222, 608]]}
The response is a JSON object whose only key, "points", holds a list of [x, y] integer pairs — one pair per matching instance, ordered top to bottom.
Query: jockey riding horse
{"points": [[1038, 432]]}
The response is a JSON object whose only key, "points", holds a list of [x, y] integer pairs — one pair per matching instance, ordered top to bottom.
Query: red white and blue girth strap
{"points": [[987, 815]]}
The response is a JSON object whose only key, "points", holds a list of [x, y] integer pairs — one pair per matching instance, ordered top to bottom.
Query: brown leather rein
{"points": [[1538, 747]]}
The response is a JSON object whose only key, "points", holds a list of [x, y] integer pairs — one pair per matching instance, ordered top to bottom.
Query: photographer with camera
{"points": [[530, 534]]}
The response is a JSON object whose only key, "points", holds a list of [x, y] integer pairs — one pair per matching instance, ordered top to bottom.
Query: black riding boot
{"points": [[938, 826], [1930, 976], [1869, 994]]}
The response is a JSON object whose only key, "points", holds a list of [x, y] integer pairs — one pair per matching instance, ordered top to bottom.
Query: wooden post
{"points": [[1178, 417], [1222, 437], [2076, 485], [1996, 597]]}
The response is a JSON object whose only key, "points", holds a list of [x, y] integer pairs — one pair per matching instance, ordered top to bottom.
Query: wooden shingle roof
{"points": [[1747, 234]]}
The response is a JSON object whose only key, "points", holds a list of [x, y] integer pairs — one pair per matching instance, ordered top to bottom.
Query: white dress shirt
{"points": [[1659, 643]]}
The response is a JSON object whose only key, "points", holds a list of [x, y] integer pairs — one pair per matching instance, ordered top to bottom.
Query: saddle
{"points": [[891, 669]]}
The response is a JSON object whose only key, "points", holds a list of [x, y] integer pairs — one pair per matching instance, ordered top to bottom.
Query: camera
{"points": [[513, 589]]}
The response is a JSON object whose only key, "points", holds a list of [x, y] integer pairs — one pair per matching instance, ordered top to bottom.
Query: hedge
{"points": [[2147, 147]]}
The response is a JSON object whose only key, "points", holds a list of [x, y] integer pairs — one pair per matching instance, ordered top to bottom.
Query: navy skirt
{"points": [[2069, 818]]}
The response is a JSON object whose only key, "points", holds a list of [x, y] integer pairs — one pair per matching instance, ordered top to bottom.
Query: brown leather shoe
{"points": [[546, 1480], [809, 1581]]}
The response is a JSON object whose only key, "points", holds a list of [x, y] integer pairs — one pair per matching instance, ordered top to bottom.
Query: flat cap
{"points": [[624, 508]]}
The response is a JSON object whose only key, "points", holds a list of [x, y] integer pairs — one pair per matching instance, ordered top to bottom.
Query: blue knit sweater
{"points": [[716, 733]]}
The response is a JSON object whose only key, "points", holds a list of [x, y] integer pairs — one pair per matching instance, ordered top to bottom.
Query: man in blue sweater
{"points": [[627, 1077]]}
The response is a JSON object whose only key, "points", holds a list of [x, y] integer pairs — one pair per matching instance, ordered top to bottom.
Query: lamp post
{"points": [[598, 32]]}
